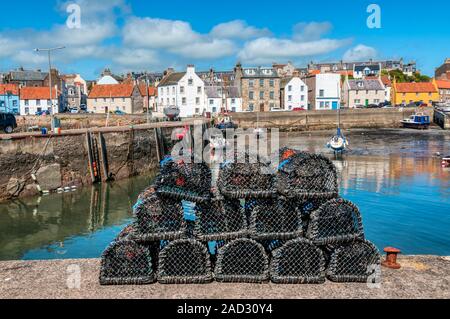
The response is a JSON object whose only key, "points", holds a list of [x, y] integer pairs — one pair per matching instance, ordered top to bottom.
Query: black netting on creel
{"points": [[307, 176], [247, 178], [185, 181], [306, 207], [159, 218], [220, 219], [275, 219], [335, 222], [242, 260], [184, 261], [298, 261], [356, 262], [127, 263]]}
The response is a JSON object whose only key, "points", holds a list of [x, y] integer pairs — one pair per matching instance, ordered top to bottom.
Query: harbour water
{"points": [[394, 177]]}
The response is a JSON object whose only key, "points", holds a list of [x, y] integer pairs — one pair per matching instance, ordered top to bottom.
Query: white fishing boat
{"points": [[338, 143]]}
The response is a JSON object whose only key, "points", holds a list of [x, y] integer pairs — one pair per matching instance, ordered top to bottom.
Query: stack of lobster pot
{"points": [[283, 223], [160, 245]]}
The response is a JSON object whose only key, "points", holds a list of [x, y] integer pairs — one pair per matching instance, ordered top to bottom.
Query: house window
{"points": [[190, 82], [261, 82], [251, 83], [272, 83], [290, 88], [302, 88], [181, 89], [199, 90], [167, 91], [321, 93], [250, 95], [261, 95], [272, 95], [290, 98], [302, 98], [123, 99], [96, 100], [104, 100], [112, 100], [183, 101], [197, 101], [233, 101], [357, 101], [376, 101], [27, 102], [38, 102], [49, 102], [211, 102], [322, 104], [272, 106], [251, 107], [214, 109], [233, 109], [27, 110], [197, 110]]}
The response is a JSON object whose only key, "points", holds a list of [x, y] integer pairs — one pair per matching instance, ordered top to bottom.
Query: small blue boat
{"points": [[417, 121], [338, 143]]}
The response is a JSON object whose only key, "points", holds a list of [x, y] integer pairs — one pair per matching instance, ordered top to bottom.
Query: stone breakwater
{"points": [[30, 162], [420, 277]]}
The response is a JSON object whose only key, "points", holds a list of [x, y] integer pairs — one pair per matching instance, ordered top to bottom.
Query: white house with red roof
{"points": [[127, 98], [35, 100]]}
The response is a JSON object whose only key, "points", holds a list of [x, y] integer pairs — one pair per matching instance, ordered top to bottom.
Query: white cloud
{"points": [[238, 29], [311, 31], [158, 33], [176, 37], [213, 49], [267, 50], [360, 53], [136, 58]]}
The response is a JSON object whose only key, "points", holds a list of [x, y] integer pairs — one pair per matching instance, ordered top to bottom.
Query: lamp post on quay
{"points": [[49, 51]]}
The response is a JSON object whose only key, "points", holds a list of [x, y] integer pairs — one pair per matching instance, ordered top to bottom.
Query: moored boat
{"points": [[417, 121], [446, 162]]}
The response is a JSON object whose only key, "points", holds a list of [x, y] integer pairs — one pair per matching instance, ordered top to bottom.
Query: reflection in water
{"points": [[395, 179], [75, 224]]}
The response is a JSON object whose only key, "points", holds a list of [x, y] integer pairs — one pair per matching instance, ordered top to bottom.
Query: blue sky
{"points": [[131, 35]]}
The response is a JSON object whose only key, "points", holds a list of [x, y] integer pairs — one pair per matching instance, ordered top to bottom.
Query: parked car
{"points": [[372, 106], [298, 109], [74, 111], [119, 112], [43, 113], [7, 122]]}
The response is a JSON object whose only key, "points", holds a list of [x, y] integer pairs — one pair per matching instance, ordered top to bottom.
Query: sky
{"points": [[142, 35]]}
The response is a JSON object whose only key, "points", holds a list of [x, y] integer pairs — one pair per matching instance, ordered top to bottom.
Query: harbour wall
{"points": [[325, 120], [33, 163]]}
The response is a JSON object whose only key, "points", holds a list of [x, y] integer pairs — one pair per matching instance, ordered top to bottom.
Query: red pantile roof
{"points": [[314, 72], [386, 81], [442, 84], [421, 87], [6, 88], [111, 90], [152, 91], [37, 93]]}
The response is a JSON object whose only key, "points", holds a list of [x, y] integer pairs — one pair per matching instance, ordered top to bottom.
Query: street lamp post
{"points": [[49, 51]]}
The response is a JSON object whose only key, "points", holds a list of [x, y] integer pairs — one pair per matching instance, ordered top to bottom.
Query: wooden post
{"points": [[89, 150], [103, 158]]}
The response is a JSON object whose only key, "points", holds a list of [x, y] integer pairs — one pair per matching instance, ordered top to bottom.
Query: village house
{"points": [[284, 70], [364, 70], [443, 72], [386, 80], [259, 88], [185, 90], [444, 90], [76, 91], [324, 91], [363, 92], [407, 93], [294, 94], [9, 98], [125, 98], [223, 99], [35, 100]]}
